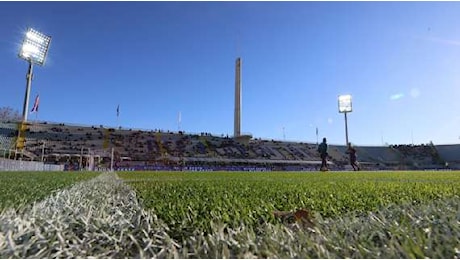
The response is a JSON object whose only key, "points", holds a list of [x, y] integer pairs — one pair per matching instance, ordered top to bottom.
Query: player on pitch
{"points": [[322, 149], [352, 152]]}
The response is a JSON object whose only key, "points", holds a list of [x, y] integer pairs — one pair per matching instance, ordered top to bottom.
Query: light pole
{"points": [[34, 49], [345, 107]]}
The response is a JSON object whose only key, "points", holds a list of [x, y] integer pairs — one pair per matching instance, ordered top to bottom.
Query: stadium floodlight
{"points": [[35, 47], [34, 50], [345, 103], [345, 107]]}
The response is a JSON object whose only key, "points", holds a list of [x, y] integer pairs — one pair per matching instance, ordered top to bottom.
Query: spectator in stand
{"points": [[322, 149], [353, 162]]}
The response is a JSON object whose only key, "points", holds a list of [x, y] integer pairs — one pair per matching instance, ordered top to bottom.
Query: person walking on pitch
{"points": [[322, 149], [353, 162]]}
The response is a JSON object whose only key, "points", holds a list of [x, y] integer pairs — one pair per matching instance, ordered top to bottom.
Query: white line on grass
{"points": [[97, 218]]}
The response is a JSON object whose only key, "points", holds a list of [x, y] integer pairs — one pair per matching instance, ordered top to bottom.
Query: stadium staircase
{"points": [[159, 141], [204, 141]]}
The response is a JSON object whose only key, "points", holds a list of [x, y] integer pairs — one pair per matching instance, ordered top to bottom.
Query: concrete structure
{"points": [[237, 119]]}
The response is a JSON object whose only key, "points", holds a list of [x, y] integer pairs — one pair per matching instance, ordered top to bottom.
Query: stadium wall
{"points": [[14, 165]]}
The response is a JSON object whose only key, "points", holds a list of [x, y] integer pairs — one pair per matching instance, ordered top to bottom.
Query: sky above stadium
{"points": [[171, 65]]}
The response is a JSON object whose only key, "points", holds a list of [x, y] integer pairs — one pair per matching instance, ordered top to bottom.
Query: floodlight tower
{"points": [[34, 49], [345, 107]]}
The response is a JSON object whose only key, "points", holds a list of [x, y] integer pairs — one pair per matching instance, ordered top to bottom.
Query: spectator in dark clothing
{"points": [[322, 149], [353, 162]]}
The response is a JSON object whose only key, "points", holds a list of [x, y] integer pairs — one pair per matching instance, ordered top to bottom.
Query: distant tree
{"points": [[9, 114]]}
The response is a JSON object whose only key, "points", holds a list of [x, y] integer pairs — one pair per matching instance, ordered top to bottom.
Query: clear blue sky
{"points": [[399, 61]]}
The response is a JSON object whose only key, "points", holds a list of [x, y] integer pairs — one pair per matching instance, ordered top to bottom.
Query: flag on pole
{"points": [[36, 103], [118, 110], [316, 135]]}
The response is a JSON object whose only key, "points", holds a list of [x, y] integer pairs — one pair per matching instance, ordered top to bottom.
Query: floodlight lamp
{"points": [[35, 47], [345, 104]]}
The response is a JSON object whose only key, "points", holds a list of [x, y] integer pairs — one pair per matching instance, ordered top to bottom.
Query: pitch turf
{"points": [[21, 188], [248, 196], [231, 215]]}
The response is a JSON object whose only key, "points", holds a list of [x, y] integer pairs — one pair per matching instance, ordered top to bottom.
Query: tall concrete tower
{"points": [[237, 119]]}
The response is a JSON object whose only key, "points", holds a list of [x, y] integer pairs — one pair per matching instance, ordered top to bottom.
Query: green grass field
{"points": [[21, 188], [193, 199], [230, 215]]}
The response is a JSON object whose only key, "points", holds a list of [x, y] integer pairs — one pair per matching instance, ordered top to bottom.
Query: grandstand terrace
{"points": [[76, 145]]}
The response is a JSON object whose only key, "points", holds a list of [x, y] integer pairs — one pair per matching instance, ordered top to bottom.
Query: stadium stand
{"points": [[77, 146], [450, 154], [419, 156]]}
